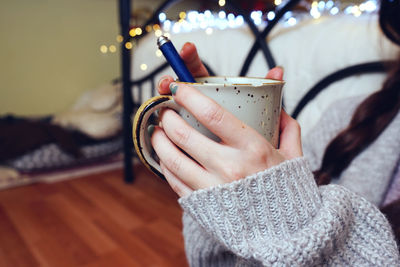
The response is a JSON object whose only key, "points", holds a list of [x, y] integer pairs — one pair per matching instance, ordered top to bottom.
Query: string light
{"points": [[329, 4], [314, 5], [321, 5], [369, 6], [334, 10], [356, 11], [314, 12], [182, 15], [271, 15], [192, 16], [256, 16], [162, 17], [192, 20], [231, 20], [239, 20], [209, 21], [291, 21], [167, 25], [176, 28], [138, 31], [132, 32], [158, 33], [128, 45], [112, 48], [103, 49], [143, 66]]}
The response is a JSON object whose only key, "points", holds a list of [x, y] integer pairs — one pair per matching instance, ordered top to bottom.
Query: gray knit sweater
{"points": [[280, 217]]}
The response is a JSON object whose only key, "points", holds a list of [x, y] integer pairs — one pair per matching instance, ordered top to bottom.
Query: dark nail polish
{"points": [[173, 87], [150, 129]]}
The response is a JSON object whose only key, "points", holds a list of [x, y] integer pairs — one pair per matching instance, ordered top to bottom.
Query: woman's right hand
{"points": [[192, 61]]}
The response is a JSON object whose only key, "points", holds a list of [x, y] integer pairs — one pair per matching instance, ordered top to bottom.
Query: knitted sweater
{"points": [[280, 216]]}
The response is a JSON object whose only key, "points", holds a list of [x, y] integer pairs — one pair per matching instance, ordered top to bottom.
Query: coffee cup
{"points": [[255, 101]]}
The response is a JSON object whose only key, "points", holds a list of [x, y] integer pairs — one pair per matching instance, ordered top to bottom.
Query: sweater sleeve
{"points": [[336, 117], [280, 216]]}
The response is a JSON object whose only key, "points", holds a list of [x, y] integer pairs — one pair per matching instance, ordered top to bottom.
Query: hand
{"points": [[192, 61], [241, 152]]}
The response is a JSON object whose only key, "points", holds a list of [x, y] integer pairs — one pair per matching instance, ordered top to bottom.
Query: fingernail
{"points": [[183, 47], [162, 79], [173, 87], [150, 129]]}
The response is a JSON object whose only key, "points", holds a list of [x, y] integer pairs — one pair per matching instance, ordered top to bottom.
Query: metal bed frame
{"points": [[129, 103]]}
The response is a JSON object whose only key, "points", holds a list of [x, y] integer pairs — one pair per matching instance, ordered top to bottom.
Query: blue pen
{"points": [[173, 58]]}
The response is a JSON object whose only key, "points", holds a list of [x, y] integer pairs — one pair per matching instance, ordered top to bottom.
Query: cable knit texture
{"points": [[279, 217]]}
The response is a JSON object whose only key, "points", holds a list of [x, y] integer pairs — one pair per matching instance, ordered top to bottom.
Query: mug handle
{"points": [[139, 129]]}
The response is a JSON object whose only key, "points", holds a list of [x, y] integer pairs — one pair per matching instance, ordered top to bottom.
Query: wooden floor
{"points": [[92, 221]]}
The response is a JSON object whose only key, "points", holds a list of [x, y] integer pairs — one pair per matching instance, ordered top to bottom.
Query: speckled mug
{"points": [[255, 101]]}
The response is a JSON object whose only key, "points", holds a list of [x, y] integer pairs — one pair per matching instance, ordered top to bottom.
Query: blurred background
{"points": [[50, 50], [63, 198]]}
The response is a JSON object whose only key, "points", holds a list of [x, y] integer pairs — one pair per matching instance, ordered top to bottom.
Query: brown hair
{"points": [[370, 118]]}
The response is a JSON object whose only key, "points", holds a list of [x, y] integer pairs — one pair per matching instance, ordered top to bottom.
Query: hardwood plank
{"points": [[19, 194], [76, 198], [107, 204], [144, 204], [77, 220], [96, 220], [26, 229], [163, 237], [57, 242], [130, 244], [13, 250], [114, 258]]}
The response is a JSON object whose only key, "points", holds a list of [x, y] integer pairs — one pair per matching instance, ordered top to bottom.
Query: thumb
{"points": [[275, 73], [290, 137]]}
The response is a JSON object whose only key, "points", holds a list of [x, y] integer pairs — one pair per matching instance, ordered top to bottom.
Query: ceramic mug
{"points": [[255, 101]]}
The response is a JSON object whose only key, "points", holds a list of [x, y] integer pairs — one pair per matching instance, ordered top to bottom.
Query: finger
{"points": [[192, 60], [275, 74], [163, 85], [214, 117], [290, 137], [199, 147], [180, 165], [177, 185]]}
